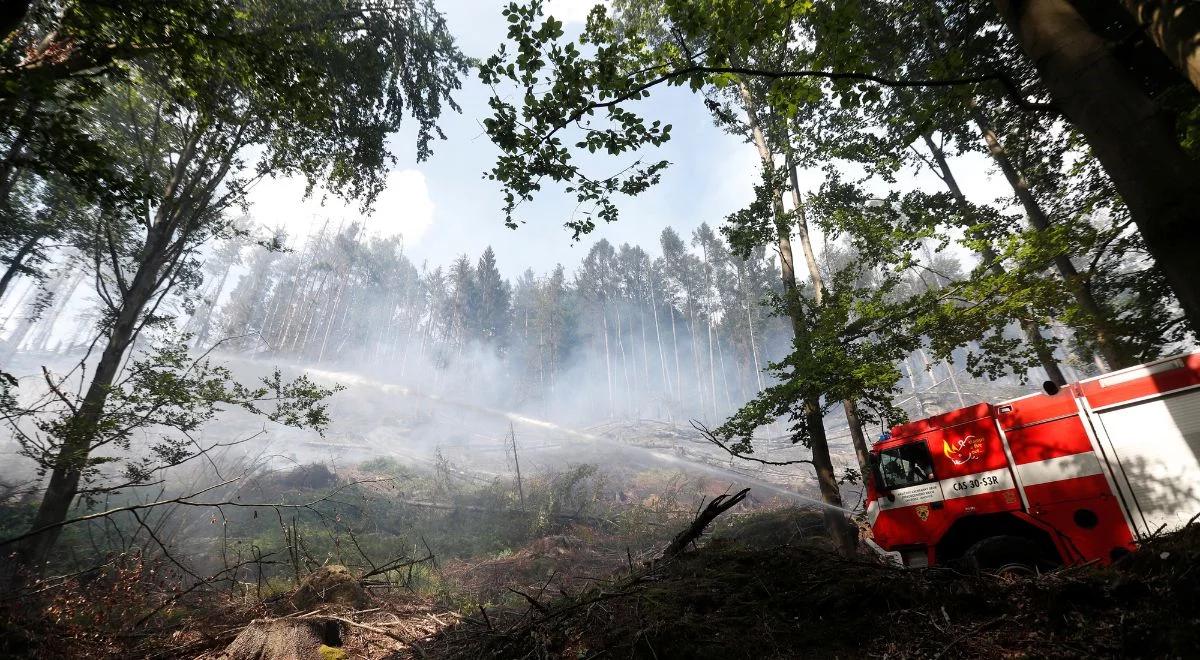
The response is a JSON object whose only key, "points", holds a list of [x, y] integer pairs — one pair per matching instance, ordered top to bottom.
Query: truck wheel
{"points": [[1010, 556]]}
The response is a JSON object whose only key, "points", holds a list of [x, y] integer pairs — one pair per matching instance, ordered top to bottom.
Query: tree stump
{"points": [[330, 585], [309, 638], [284, 639]]}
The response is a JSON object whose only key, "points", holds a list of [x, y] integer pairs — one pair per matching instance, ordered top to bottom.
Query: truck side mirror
{"points": [[1051, 387]]}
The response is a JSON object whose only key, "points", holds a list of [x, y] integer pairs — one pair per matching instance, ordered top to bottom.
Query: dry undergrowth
{"points": [[728, 600]]}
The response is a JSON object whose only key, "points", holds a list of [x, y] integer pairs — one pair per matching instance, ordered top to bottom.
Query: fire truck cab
{"points": [[1077, 474]]}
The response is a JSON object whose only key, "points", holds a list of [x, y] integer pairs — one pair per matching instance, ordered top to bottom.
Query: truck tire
{"points": [[1009, 556]]}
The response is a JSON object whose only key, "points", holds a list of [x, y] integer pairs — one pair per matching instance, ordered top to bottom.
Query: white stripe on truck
{"points": [[1084, 464]]}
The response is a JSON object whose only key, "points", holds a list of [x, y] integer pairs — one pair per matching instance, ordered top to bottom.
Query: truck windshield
{"points": [[906, 465]]}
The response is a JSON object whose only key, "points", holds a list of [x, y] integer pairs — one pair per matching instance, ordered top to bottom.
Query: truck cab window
{"points": [[906, 465]]}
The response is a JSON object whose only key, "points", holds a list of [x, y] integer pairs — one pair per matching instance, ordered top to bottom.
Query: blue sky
{"points": [[444, 207]]}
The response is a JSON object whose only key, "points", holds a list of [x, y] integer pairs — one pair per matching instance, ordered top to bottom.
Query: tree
{"points": [[703, 37], [63, 59], [1132, 135], [184, 147], [596, 282], [493, 301], [847, 327]]}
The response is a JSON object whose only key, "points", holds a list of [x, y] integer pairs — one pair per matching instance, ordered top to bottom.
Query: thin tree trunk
{"points": [[1133, 136], [9, 169], [14, 266], [1079, 286], [708, 287], [30, 288], [750, 323], [1031, 330], [19, 333], [202, 335], [42, 341], [695, 346], [621, 349], [645, 349], [662, 360], [607, 361], [678, 369], [724, 371], [954, 381], [916, 388], [850, 406], [860, 447], [72, 457], [835, 519]]}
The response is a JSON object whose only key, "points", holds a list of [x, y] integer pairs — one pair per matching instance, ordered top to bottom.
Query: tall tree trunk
{"points": [[1173, 26], [1131, 135], [10, 169], [159, 255], [18, 258], [707, 300], [18, 304], [750, 323], [1032, 332], [202, 335], [17, 336], [41, 341], [695, 347], [621, 348], [645, 349], [675, 349], [1113, 353], [662, 360], [607, 361], [949, 367], [724, 370], [916, 388], [82, 427], [857, 438], [860, 445], [836, 521]]}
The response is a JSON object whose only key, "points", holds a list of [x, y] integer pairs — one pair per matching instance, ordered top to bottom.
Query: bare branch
{"points": [[708, 435]]}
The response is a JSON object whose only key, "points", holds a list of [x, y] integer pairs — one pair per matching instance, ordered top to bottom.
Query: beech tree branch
{"points": [[708, 435]]}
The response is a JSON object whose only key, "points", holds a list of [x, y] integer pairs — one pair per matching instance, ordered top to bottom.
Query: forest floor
{"points": [[576, 573], [739, 598]]}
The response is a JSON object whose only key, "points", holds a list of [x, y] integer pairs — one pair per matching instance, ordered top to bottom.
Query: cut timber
{"points": [[328, 589], [284, 639]]}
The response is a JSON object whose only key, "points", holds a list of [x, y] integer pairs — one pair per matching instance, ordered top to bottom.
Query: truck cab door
{"points": [[909, 509]]}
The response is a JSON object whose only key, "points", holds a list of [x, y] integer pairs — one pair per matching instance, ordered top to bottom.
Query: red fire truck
{"points": [[1079, 473]]}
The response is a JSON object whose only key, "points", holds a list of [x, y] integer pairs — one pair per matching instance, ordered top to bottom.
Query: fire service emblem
{"points": [[962, 450], [923, 512]]}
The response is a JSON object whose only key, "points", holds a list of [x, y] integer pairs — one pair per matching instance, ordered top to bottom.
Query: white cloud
{"points": [[571, 11], [403, 208]]}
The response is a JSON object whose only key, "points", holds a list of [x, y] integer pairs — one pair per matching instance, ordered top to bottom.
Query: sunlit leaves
{"points": [[563, 91]]}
